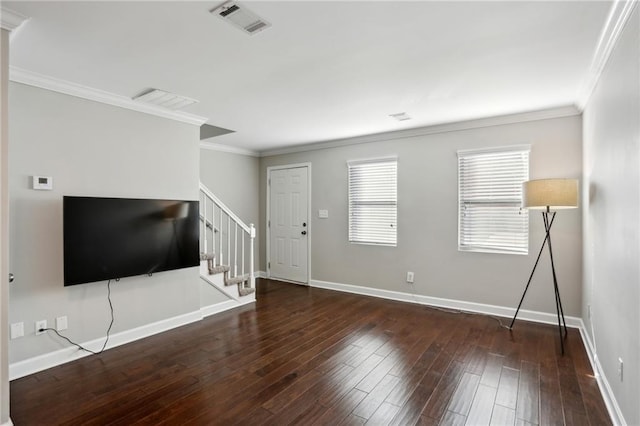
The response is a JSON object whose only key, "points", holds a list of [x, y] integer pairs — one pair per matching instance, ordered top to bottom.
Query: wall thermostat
{"points": [[43, 183]]}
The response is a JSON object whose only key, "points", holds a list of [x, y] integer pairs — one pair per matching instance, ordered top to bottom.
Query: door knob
{"points": [[304, 232], [11, 277]]}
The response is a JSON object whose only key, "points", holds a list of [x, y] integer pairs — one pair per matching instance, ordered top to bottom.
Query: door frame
{"points": [[309, 215]]}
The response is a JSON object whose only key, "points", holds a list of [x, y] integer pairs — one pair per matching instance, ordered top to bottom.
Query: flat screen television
{"points": [[111, 238]]}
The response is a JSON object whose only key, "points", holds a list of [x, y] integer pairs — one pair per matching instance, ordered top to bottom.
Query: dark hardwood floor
{"points": [[310, 356]]}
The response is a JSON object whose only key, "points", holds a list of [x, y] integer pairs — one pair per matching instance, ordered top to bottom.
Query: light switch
{"points": [[323, 214], [17, 330]]}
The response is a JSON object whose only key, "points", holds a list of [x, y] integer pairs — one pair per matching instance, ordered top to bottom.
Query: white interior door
{"points": [[289, 224]]}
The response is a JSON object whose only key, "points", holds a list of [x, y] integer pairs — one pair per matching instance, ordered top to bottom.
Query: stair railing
{"points": [[224, 234]]}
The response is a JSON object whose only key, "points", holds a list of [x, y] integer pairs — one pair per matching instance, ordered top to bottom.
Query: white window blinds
{"points": [[489, 201], [373, 203]]}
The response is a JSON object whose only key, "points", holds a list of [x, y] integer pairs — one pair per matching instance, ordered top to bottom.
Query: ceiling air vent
{"points": [[241, 17], [164, 99], [400, 116]]}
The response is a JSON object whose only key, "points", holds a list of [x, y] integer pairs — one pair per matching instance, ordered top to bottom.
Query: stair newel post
{"points": [[213, 225], [203, 234], [252, 235], [229, 239]]}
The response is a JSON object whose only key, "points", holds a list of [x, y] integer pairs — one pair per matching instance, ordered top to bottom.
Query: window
{"points": [[373, 202], [490, 217]]}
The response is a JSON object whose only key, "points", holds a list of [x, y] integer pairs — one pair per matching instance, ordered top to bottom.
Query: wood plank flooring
{"points": [[311, 356]]}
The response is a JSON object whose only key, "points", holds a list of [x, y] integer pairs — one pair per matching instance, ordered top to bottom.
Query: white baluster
{"points": [[204, 221], [213, 226], [252, 235], [220, 238], [229, 239], [235, 251], [243, 256]]}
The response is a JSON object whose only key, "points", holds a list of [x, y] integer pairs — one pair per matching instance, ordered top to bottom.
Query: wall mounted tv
{"points": [[110, 238]]}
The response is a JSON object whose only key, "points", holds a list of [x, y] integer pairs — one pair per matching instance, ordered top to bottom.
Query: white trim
{"points": [[619, 14], [10, 19], [31, 78], [559, 112], [508, 148], [230, 149], [372, 160], [289, 166], [309, 215], [260, 274], [217, 308], [500, 311], [71, 353], [605, 388], [8, 423]]}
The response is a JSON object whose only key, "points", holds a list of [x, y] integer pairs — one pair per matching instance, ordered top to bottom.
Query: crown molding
{"points": [[619, 15], [10, 20], [19, 75], [558, 112], [230, 149]]}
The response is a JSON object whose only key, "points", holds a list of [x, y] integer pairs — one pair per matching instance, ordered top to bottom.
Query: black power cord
{"points": [[108, 329]]}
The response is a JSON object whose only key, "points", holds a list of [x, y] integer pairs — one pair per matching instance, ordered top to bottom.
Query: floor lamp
{"points": [[548, 195]]}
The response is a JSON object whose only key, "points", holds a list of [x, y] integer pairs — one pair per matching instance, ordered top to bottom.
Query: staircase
{"points": [[226, 247]]}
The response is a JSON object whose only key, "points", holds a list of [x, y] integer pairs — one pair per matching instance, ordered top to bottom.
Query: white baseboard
{"points": [[260, 274], [207, 311], [500, 311], [68, 354], [52, 359], [605, 388], [8, 423]]}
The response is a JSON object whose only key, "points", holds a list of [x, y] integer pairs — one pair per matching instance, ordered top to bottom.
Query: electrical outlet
{"points": [[410, 277], [61, 323], [42, 324], [17, 330], [620, 369]]}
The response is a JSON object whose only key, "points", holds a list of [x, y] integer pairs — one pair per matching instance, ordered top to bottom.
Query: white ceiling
{"points": [[324, 70]]}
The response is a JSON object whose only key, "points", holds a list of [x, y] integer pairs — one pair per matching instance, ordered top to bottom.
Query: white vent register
{"points": [[241, 17], [164, 99]]}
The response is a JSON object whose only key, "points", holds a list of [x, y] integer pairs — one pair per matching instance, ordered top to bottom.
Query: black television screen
{"points": [[108, 238]]}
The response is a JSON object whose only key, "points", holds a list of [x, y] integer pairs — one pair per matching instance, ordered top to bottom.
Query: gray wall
{"points": [[97, 150], [233, 178], [427, 219], [612, 219], [4, 226]]}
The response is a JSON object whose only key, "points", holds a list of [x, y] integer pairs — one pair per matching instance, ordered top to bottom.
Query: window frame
{"points": [[508, 199], [385, 240]]}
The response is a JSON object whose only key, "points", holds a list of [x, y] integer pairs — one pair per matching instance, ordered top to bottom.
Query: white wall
{"points": [[95, 150], [427, 219], [612, 219]]}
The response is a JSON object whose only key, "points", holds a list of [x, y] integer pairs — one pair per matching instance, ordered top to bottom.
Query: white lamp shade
{"points": [[550, 193]]}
